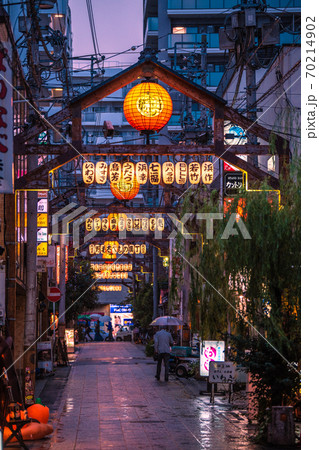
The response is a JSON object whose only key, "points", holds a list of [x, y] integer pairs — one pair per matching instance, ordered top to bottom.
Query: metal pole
{"points": [[203, 66], [92, 71], [251, 95], [155, 284], [62, 289], [53, 321]]}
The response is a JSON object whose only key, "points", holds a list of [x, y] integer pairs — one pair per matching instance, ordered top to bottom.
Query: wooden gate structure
{"points": [[147, 67]]}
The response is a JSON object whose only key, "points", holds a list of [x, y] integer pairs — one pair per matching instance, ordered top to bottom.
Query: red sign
{"points": [[228, 167], [54, 294]]}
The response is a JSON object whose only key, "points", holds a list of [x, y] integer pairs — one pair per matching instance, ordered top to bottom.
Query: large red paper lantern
{"points": [[148, 107], [125, 190]]}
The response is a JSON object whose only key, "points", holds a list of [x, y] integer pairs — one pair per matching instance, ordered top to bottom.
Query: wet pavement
{"points": [[112, 400]]}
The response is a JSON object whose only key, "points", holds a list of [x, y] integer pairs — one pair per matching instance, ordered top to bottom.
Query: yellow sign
{"points": [[42, 220], [42, 249], [110, 287]]}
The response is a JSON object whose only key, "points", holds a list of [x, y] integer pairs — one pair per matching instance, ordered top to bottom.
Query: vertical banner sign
{"points": [[6, 120], [42, 224], [66, 248], [58, 263], [210, 351]]}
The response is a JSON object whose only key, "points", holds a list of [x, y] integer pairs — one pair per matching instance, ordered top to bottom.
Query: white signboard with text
{"points": [[6, 120], [210, 351], [221, 372]]}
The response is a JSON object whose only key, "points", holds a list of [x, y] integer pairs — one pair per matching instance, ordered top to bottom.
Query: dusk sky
{"points": [[119, 26]]}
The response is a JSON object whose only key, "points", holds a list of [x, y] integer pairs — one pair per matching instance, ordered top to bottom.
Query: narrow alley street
{"points": [[112, 400]]}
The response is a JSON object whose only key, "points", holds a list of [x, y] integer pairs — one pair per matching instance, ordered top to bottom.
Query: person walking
{"points": [[110, 330], [87, 331], [98, 336], [162, 342]]}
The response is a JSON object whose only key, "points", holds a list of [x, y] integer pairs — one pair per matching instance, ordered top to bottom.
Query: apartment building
{"points": [[178, 29]]}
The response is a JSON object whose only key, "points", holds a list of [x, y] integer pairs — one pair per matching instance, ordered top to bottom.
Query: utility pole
{"points": [[250, 22], [250, 34], [203, 65], [32, 198], [62, 288]]}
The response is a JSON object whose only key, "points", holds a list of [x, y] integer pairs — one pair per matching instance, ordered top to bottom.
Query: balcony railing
{"points": [[222, 4], [189, 39], [212, 78], [175, 120]]}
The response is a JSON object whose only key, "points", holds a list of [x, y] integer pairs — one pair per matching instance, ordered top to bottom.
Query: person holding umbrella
{"points": [[162, 342]]}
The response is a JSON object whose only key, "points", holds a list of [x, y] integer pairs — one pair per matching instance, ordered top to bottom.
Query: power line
{"points": [[92, 27]]}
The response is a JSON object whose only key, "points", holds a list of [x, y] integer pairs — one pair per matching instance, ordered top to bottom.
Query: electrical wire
{"points": [[92, 27]]}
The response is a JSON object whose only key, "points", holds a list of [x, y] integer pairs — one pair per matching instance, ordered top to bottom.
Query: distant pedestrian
{"points": [[87, 330], [110, 330], [98, 336], [162, 342]]}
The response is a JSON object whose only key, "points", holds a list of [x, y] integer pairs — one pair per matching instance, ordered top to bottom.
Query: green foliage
{"points": [[264, 273], [80, 294], [143, 304], [149, 348]]}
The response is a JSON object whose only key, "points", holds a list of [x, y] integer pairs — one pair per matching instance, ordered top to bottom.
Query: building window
{"points": [[58, 22], [179, 30], [56, 92], [271, 164]]}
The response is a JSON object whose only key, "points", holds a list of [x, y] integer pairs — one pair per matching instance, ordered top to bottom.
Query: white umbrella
{"points": [[95, 316], [105, 319], [166, 321]]}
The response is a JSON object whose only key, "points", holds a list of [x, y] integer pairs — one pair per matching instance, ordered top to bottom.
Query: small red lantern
{"points": [[148, 107], [125, 190]]}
